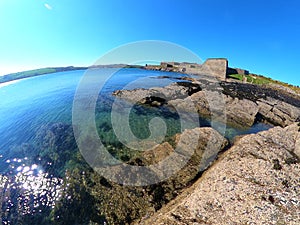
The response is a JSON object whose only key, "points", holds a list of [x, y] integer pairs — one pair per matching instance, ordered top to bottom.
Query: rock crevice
{"points": [[255, 181]]}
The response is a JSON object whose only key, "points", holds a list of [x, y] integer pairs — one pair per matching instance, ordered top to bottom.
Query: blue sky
{"points": [[261, 36]]}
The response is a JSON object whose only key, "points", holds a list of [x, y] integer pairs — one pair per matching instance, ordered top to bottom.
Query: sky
{"points": [[261, 36]]}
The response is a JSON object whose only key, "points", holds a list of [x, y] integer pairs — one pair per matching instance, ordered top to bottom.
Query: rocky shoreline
{"points": [[242, 104], [252, 179], [255, 181]]}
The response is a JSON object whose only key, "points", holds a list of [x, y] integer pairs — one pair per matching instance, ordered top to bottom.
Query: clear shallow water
{"points": [[27, 104], [36, 137]]}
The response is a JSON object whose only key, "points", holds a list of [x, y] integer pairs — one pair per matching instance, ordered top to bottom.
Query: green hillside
{"points": [[37, 72], [261, 80]]}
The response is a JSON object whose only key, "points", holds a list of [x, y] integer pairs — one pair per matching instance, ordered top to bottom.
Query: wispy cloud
{"points": [[48, 6]]}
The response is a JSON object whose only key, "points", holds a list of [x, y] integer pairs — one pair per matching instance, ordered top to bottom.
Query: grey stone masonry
{"points": [[216, 67]]}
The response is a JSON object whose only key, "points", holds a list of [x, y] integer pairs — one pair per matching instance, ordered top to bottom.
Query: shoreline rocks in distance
{"points": [[243, 104]]}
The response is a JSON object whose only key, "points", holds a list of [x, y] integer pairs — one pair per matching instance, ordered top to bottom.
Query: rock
{"points": [[192, 87], [284, 89], [172, 91], [135, 95], [153, 101], [201, 103], [209, 103], [186, 104], [242, 104], [275, 106], [278, 112], [240, 113], [209, 144], [297, 144], [198, 147], [157, 154], [243, 186], [121, 204]]}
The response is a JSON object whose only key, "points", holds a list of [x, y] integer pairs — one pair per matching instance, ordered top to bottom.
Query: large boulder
{"points": [[178, 90], [215, 105], [240, 112], [278, 112], [255, 182]]}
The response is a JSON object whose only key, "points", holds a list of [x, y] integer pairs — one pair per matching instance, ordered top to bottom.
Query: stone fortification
{"points": [[211, 67]]}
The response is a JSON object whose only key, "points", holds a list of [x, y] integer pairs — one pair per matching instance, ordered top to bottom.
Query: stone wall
{"points": [[185, 67], [211, 67], [215, 67], [237, 71]]}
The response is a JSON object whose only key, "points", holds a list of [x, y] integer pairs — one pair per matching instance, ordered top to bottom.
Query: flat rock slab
{"points": [[254, 182]]}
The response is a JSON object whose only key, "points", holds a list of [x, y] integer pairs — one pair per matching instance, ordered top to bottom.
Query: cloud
{"points": [[48, 6]]}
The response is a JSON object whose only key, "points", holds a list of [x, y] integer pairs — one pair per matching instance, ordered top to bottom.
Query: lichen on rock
{"points": [[244, 186]]}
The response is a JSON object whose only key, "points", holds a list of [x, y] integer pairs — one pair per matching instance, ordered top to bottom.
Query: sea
{"points": [[37, 144]]}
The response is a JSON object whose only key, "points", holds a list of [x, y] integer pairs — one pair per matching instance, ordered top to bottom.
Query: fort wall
{"points": [[216, 67]]}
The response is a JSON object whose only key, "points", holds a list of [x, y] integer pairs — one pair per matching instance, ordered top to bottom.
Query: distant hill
{"points": [[49, 70], [37, 72]]}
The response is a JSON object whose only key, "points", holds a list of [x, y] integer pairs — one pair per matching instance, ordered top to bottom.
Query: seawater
{"points": [[37, 145]]}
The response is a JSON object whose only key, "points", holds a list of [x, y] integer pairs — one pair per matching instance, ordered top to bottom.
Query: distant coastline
{"points": [[49, 70], [37, 72], [231, 74]]}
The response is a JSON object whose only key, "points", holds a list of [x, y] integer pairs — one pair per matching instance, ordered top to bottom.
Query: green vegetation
{"points": [[134, 66], [37, 72], [251, 79], [261, 80]]}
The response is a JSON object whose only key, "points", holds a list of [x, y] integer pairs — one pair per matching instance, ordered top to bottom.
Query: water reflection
{"points": [[27, 190]]}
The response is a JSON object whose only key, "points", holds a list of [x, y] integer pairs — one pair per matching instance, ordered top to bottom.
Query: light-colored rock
{"points": [[284, 89], [172, 91], [209, 102], [238, 106], [236, 112], [240, 112], [278, 112], [205, 143], [198, 146], [297, 146], [157, 154], [254, 182]]}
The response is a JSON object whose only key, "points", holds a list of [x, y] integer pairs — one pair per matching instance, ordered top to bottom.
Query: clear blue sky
{"points": [[259, 35]]}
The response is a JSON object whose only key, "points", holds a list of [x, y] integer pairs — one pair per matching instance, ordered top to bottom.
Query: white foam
{"points": [[8, 83]]}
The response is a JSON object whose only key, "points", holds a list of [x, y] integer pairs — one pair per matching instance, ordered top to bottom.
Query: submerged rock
{"points": [[255, 181], [120, 204]]}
